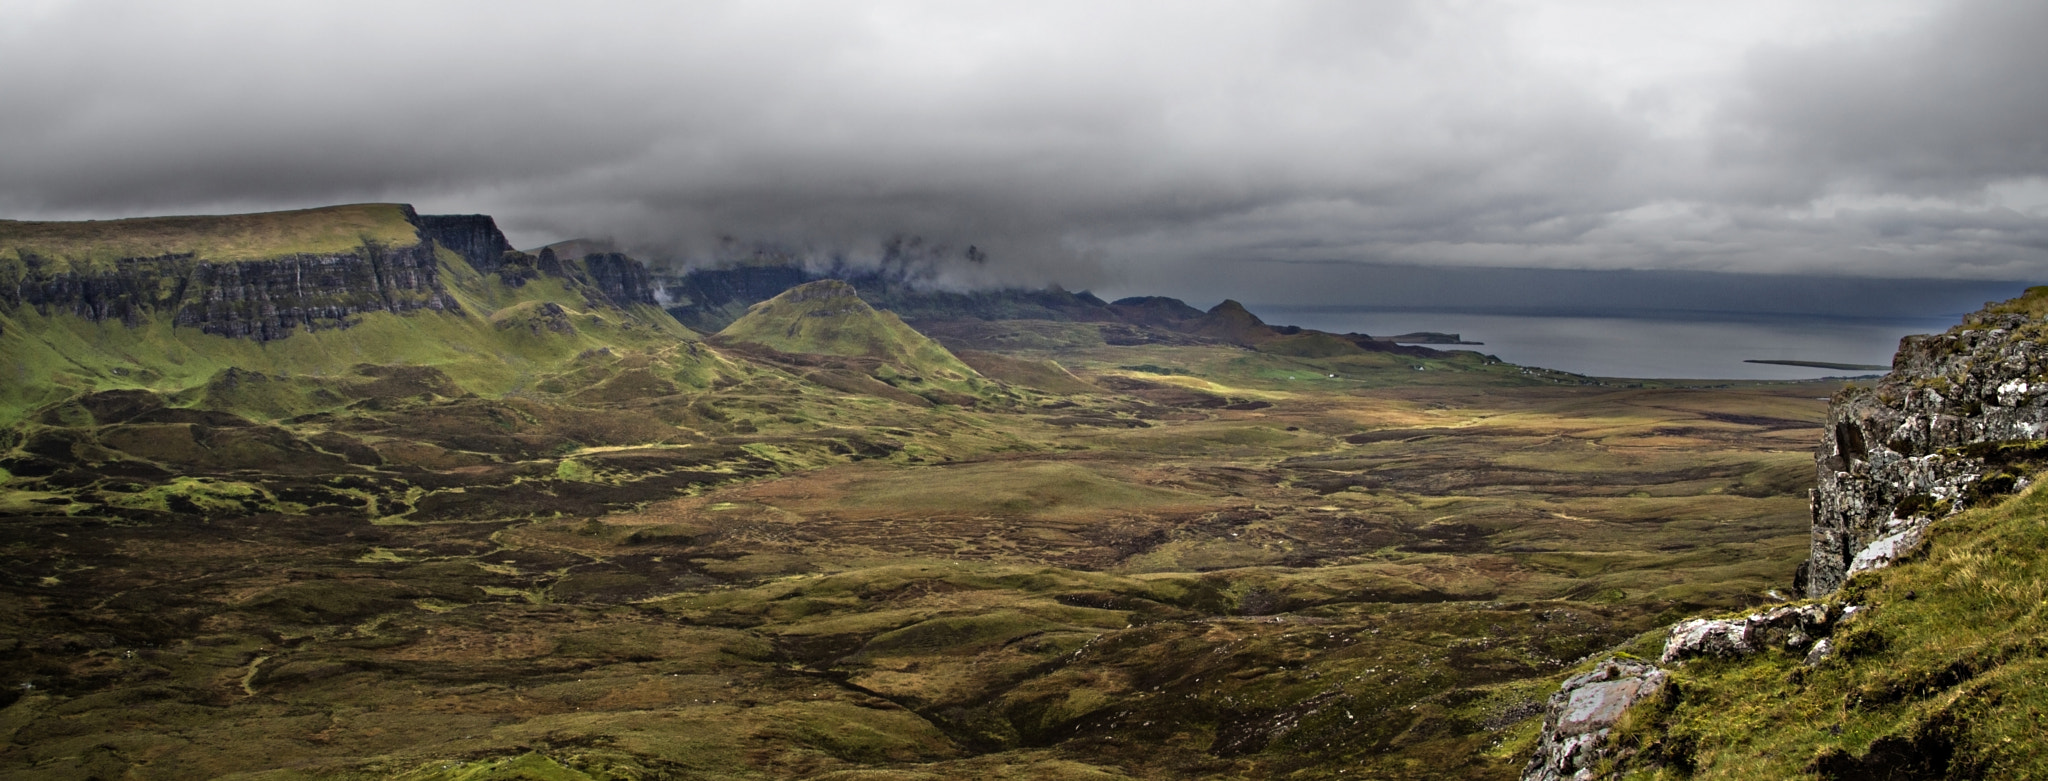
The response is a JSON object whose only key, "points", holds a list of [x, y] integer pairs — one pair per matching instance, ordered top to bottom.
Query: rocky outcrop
{"points": [[473, 236], [617, 279], [623, 280], [135, 287], [269, 298], [259, 299], [265, 300], [1961, 420], [1953, 425], [1892, 547], [1793, 628], [1582, 713]]}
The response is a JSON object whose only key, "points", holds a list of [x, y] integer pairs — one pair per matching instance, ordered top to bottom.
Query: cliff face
{"points": [[473, 236], [621, 279], [267, 298], [260, 299], [1950, 426]]}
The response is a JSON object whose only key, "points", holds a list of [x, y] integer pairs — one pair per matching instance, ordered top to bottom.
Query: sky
{"points": [[1265, 151]]}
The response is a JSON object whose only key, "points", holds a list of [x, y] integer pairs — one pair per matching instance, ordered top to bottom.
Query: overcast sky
{"points": [[1181, 147]]}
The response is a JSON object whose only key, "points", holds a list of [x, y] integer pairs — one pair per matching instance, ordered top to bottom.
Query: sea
{"points": [[1644, 348]]}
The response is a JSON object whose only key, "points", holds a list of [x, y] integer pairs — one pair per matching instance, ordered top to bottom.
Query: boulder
{"points": [[1787, 626], [1707, 637], [1581, 715]]}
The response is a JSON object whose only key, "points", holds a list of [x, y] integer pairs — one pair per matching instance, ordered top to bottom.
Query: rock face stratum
{"points": [[268, 298], [259, 299], [1947, 429]]}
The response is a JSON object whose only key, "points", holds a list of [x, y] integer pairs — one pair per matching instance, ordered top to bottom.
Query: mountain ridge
{"points": [[709, 298]]}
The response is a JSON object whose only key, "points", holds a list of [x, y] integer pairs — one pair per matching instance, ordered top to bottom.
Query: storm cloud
{"points": [[1179, 147]]}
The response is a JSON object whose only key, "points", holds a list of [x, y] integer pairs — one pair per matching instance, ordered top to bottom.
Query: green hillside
{"points": [[94, 244], [828, 318], [498, 338], [449, 510], [1937, 676]]}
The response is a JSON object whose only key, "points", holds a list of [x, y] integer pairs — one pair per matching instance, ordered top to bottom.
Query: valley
{"points": [[543, 530]]}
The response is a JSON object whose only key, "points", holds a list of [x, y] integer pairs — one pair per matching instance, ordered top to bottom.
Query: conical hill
{"points": [[828, 318], [1231, 322]]}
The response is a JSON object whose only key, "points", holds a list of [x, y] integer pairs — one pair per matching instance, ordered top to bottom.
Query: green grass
{"points": [[94, 245], [2032, 303], [828, 318], [49, 357], [1004, 489], [981, 589], [1947, 664]]}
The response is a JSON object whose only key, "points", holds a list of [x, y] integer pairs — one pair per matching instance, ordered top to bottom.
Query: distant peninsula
{"points": [[1425, 337], [1826, 365]]}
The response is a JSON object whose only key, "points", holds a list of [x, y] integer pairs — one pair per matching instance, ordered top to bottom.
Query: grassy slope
{"points": [[96, 244], [828, 318], [486, 350], [1940, 679]]}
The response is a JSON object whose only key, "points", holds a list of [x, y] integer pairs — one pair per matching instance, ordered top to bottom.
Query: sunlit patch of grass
{"points": [[195, 494]]}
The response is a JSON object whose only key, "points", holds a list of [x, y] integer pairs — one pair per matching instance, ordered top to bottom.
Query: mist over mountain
{"points": [[1218, 148]]}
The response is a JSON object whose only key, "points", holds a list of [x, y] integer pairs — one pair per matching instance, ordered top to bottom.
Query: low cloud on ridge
{"points": [[1106, 145]]}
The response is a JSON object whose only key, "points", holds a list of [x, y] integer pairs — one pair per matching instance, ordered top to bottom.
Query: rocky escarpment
{"points": [[475, 237], [621, 279], [269, 296], [258, 299], [1958, 421]]}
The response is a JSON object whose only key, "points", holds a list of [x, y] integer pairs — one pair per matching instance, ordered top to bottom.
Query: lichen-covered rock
{"points": [[1945, 430], [1892, 547], [1790, 627], [1707, 637], [1820, 653], [1583, 712]]}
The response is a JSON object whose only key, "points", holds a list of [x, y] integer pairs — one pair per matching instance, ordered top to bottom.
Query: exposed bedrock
{"points": [[473, 236], [622, 280], [269, 298], [256, 299], [1954, 424]]}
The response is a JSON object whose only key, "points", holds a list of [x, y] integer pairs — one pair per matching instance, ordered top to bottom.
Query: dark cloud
{"points": [[1942, 109], [1124, 146]]}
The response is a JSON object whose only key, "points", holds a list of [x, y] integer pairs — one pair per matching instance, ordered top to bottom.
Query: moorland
{"points": [[514, 520]]}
